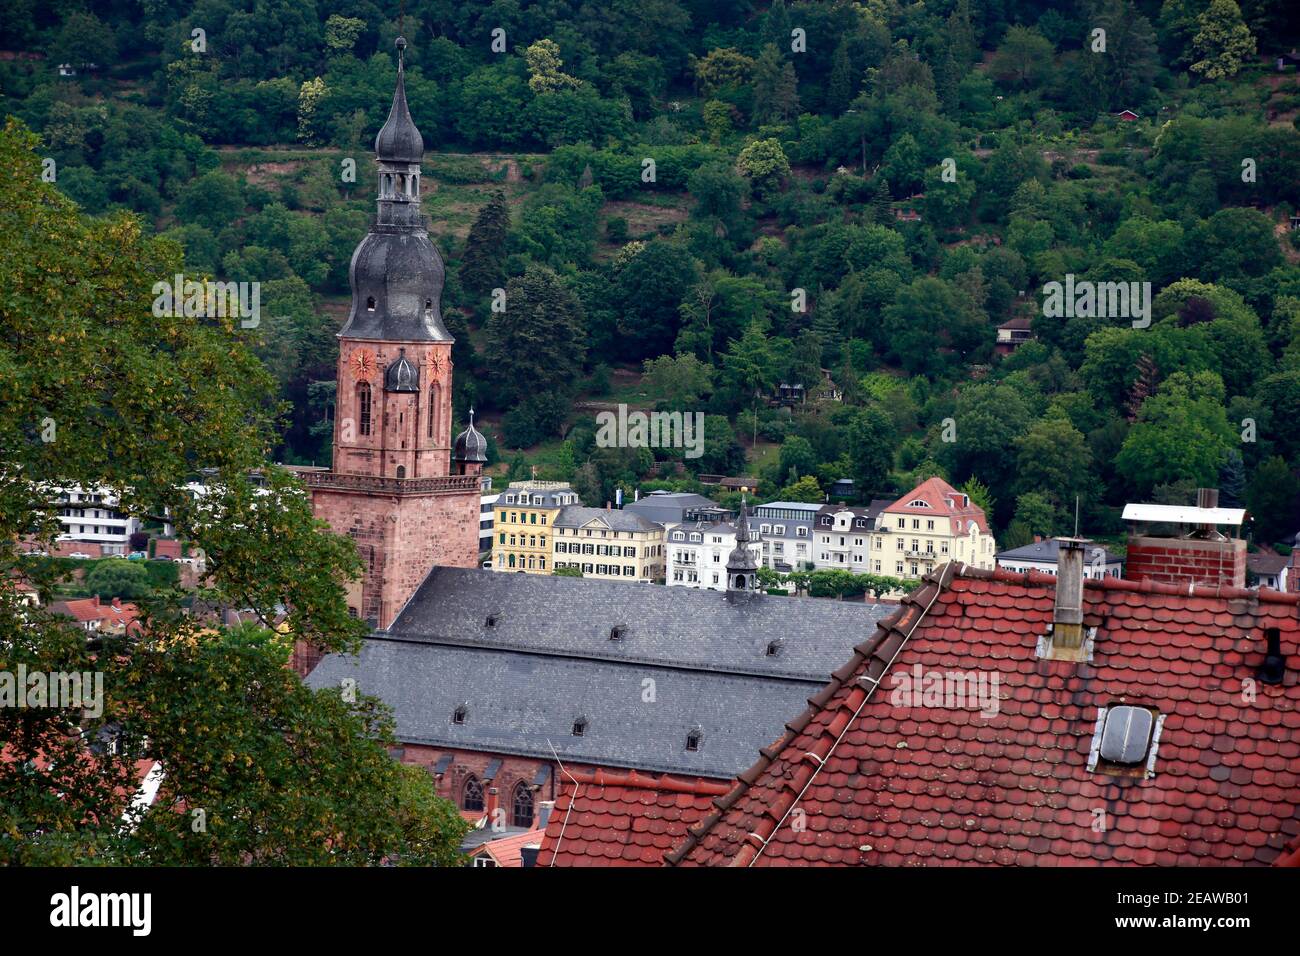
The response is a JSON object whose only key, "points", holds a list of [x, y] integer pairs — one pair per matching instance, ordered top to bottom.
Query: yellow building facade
{"points": [[523, 532]]}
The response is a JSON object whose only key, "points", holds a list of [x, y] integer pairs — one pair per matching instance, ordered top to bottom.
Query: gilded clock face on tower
{"points": [[363, 363], [435, 363]]}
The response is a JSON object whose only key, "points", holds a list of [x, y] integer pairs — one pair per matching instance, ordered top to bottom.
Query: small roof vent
{"points": [[492, 619], [618, 632], [1274, 669]]}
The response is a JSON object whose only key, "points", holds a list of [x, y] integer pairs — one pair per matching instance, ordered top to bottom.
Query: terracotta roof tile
{"points": [[894, 784], [616, 818]]}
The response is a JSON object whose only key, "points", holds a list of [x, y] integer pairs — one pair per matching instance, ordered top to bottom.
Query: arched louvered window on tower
{"points": [[435, 403], [363, 408], [522, 815]]}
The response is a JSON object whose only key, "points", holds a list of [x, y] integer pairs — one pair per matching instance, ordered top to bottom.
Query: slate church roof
{"points": [[643, 665]]}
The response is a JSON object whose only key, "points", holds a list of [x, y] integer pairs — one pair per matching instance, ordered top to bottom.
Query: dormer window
{"points": [[370, 304], [492, 619], [618, 632], [773, 648], [460, 714], [580, 726], [693, 740]]}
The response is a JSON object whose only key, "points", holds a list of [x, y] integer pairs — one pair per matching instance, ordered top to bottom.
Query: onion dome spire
{"points": [[399, 141], [471, 446]]}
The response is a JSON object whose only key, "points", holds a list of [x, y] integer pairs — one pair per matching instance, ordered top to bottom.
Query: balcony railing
{"points": [[396, 486]]}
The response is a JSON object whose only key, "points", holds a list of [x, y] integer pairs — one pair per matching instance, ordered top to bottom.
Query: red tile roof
{"points": [[944, 500], [84, 610], [860, 780], [616, 818], [507, 851]]}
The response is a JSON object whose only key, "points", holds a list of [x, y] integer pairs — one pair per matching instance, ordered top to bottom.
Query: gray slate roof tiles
{"points": [[549, 659]]}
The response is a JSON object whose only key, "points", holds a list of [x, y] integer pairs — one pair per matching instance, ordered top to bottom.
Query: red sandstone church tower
{"points": [[395, 486]]}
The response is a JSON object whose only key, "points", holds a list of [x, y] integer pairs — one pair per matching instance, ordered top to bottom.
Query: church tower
{"points": [[392, 487], [742, 566]]}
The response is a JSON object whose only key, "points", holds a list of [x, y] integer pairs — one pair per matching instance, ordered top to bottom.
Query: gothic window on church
{"points": [[363, 407], [433, 411], [401, 471], [472, 794], [522, 806]]}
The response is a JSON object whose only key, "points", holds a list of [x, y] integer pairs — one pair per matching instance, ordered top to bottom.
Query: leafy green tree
{"points": [[342, 33], [83, 40], [1222, 41], [1024, 58], [544, 68], [721, 68], [841, 86], [776, 89], [492, 100], [764, 163], [719, 194], [213, 200], [483, 263], [649, 289], [929, 325], [536, 345], [677, 382], [1279, 395], [986, 422], [1182, 432], [872, 439], [723, 454], [797, 459], [1053, 459], [1232, 481], [806, 489], [979, 494], [1272, 497], [118, 578]]}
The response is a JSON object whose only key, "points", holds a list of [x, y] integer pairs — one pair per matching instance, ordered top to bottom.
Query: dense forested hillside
{"points": [[691, 203]]}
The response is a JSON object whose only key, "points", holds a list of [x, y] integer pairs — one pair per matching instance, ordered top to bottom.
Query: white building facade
{"points": [[91, 517], [697, 554]]}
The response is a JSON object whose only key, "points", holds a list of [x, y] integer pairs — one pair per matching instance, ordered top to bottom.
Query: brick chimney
{"points": [[1199, 553], [493, 802]]}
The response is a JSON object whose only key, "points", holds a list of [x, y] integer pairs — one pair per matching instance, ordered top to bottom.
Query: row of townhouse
{"points": [[541, 527], [907, 538]]}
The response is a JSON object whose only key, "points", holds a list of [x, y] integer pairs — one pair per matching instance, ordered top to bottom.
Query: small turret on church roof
{"points": [[471, 446]]}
